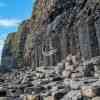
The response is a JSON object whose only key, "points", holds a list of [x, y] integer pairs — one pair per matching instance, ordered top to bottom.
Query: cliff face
{"points": [[56, 29], [13, 50], [56, 53], [8, 56]]}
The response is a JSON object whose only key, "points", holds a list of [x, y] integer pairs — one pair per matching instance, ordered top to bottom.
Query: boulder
{"points": [[88, 91], [96, 98]]}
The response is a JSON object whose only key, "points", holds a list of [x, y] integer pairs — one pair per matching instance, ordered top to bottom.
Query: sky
{"points": [[13, 12]]}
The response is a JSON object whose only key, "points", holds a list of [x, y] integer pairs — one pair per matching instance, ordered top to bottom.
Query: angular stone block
{"points": [[90, 91], [96, 98]]}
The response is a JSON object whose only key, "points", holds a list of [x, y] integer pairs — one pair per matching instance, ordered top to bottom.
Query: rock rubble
{"points": [[50, 82]]}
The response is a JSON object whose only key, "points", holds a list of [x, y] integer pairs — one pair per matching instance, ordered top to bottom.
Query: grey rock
{"points": [[76, 85], [72, 95], [96, 98]]}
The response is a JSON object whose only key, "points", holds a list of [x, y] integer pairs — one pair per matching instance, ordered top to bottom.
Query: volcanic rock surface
{"points": [[54, 55]]}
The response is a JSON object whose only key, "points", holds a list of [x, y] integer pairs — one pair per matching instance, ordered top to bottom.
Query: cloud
{"points": [[2, 4], [9, 22]]}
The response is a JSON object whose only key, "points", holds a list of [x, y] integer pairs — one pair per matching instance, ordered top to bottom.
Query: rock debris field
{"points": [[69, 80]]}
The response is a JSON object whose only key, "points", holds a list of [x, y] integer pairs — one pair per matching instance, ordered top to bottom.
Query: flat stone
{"points": [[76, 75], [67, 82], [97, 83], [76, 84], [72, 95], [30, 97], [3, 98], [49, 98], [96, 98]]}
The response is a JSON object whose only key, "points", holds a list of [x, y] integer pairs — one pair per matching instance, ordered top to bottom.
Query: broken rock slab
{"points": [[90, 91], [72, 95], [96, 98]]}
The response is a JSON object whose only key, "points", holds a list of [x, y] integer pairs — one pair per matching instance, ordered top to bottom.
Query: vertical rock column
{"points": [[97, 25], [93, 36], [84, 39], [73, 42], [63, 45], [57, 46], [44, 48], [40, 55], [51, 56], [36, 57]]}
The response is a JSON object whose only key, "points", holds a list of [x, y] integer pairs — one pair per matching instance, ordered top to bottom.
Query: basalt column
{"points": [[97, 25], [93, 37], [84, 39], [73, 41], [67, 44], [63, 45], [57, 46], [47, 50], [44, 52], [40, 55], [51, 55], [36, 57], [33, 58]]}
